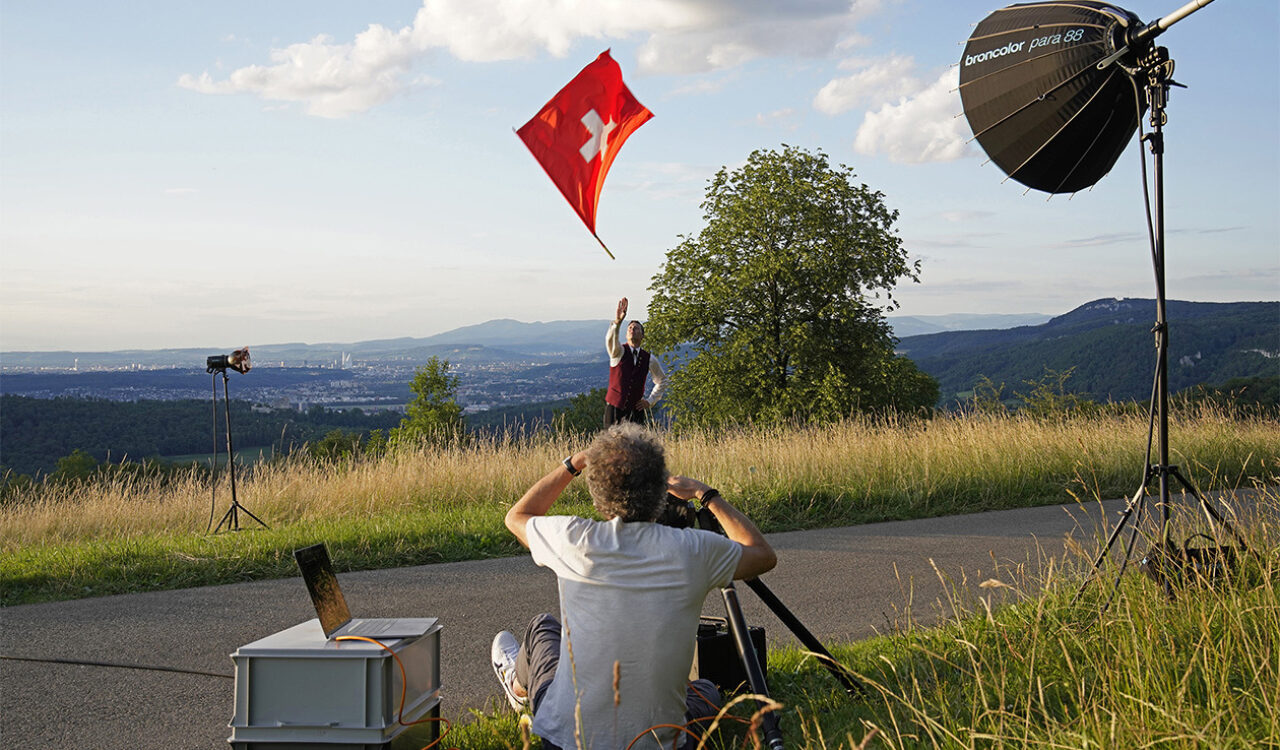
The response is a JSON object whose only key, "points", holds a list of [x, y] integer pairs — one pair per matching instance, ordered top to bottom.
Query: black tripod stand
{"points": [[1156, 68], [231, 519], [742, 638]]}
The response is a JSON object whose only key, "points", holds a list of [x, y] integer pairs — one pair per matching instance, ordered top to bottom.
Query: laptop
{"points": [[331, 607]]}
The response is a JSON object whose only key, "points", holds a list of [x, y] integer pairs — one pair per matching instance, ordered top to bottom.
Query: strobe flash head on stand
{"points": [[1038, 102], [237, 360], [218, 364]]}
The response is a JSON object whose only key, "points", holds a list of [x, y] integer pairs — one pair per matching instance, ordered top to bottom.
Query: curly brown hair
{"points": [[627, 473]]}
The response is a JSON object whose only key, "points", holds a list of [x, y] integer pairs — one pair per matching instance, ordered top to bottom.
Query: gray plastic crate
{"points": [[296, 689]]}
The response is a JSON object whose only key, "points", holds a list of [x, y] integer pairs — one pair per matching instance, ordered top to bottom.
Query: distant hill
{"points": [[918, 325], [494, 341], [1110, 343]]}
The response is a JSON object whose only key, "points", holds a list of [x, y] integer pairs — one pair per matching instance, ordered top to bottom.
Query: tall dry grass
{"points": [[855, 471], [295, 490], [1057, 670]]}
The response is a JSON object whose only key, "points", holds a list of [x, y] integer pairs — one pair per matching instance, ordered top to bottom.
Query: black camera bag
{"points": [[1170, 566], [716, 657]]}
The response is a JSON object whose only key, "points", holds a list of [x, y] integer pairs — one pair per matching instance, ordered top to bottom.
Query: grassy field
{"points": [[446, 504], [1019, 665], [1041, 670]]}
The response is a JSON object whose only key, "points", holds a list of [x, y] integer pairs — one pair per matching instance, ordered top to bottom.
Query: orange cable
{"points": [[404, 690]]}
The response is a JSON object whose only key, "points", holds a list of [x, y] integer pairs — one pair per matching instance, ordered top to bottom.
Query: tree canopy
{"points": [[774, 310], [434, 413]]}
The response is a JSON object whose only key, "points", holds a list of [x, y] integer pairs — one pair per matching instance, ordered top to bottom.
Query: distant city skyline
{"points": [[242, 173]]}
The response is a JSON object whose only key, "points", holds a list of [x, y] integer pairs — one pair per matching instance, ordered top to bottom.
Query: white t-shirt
{"points": [[630, 593]]}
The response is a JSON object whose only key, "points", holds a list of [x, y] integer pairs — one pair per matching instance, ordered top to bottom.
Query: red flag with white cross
{"points": [[577, 134]]}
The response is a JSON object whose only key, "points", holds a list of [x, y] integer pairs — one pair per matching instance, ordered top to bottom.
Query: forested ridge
{"points": [[1109, 348], [35, 433]]}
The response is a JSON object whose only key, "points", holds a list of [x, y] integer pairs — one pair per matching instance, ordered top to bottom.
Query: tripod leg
{"points": [[1135, 502], [249, 513], [1214, 515], [230, 519], [747, 652], [846, 678]]}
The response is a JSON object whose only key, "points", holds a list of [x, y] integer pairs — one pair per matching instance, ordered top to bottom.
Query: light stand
{"points": [[1157, 68], [1046, 87], [239, 361]]}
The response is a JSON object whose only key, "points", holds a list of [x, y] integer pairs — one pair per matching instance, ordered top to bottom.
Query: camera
{"points": [[677, 513], [684, 514]]}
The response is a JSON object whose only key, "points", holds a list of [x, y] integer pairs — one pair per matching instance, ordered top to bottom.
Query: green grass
{"points": [[61, 541], [168, 561], [1018, 666], [1039, 670]]}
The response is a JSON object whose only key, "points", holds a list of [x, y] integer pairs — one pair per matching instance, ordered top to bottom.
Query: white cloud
{"points": [[490, 31], [726, 33], [679, 36], [886, 79], [334, 80], [701, 86], [784, 119], [919, 128], [1099, 240]]}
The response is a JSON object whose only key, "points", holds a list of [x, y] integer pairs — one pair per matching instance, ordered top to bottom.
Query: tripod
{"points": [[1157, 67], [232, 517], [746, 650]]}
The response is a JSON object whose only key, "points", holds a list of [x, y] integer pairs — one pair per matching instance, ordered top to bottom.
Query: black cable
{"points": [[213, 477], [1139, 496], [116, 665]]}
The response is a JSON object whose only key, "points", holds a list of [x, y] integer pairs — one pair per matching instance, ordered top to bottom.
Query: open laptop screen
{"points": [[322, 584]]}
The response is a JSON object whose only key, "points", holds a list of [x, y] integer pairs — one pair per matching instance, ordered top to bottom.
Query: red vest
{"points": [[626, 379]]}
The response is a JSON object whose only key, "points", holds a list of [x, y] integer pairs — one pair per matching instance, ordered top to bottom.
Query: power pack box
{"points": [[716, 656], [297, 689]]}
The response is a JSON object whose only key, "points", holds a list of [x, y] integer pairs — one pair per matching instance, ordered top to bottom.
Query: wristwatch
{"points": [[568, 464]]}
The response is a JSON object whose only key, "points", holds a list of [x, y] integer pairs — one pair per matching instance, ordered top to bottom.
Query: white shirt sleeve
{"points": [[611, 345], [655, 372]]}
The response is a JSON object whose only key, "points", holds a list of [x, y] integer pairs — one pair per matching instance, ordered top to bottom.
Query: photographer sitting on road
{"points": [[631, 592]]}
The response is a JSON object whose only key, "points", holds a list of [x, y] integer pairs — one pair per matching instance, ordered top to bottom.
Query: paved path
{"points": [[843, 584]]}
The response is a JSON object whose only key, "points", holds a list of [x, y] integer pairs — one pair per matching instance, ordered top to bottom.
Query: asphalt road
{"points": [[842, 584]]}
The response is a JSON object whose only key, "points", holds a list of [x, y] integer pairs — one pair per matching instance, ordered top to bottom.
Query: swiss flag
{"points": [[577, 134]]}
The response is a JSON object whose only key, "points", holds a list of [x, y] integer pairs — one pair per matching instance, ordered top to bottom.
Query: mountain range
{"points": [[499, 340], [1107, 345]]}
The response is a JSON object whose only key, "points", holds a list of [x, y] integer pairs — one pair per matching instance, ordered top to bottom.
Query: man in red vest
{"points": [[629, 365]]}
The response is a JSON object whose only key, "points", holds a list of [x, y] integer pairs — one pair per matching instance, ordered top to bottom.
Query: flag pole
{"points": [[606, 248]]}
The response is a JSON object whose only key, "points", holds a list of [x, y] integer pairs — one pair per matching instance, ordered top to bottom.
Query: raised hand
{"points": [[622, 310]]}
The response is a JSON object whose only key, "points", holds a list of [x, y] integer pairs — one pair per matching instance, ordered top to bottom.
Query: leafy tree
{"points": [[770, 304], [1238, 395], [1049, 396], [987, 398], [434, 413], [584, 414], [337, 444], [376, 444], [78, 465]]}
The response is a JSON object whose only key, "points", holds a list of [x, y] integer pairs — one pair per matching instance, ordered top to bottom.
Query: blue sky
{"points": [[232, 173]]}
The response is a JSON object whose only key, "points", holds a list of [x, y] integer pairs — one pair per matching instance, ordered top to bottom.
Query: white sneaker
{"points": [[503, 654]]}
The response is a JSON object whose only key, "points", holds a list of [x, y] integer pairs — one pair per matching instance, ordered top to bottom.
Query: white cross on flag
{"points": [[577, 134]]}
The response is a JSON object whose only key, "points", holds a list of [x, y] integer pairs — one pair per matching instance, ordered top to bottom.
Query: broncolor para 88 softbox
{"points": [[1036, 100]]}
